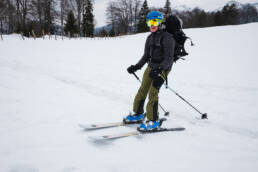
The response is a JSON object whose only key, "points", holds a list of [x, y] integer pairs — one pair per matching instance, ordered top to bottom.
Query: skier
{"points": [[159, 54]]}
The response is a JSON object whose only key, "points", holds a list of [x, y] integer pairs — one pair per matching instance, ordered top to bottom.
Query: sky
{"points": [[100, 6]]}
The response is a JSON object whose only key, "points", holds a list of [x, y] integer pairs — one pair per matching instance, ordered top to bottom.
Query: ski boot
{"points": [[134, 119], [150, 126]]}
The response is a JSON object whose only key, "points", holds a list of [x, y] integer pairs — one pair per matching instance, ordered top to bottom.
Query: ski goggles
{"points": [[154, 22]]}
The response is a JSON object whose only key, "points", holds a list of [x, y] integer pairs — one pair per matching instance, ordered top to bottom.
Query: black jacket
{"points": [[159, 51]]}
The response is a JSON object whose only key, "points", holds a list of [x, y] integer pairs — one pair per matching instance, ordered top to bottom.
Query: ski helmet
{"points": [[154, 15]]}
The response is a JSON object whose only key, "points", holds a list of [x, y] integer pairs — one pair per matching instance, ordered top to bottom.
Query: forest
{"points": [[75, 17]]}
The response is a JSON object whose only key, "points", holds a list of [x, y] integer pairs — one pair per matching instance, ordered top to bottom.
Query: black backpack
{"points": [[173, 25]]}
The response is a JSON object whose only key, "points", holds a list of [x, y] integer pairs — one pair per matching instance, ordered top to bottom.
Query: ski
{"points": [[104, 125], [100, 126], [134, 133], [113, 136]]}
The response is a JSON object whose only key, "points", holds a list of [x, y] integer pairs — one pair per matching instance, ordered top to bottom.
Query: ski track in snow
{"points": [[48, 87], [95, 91]]}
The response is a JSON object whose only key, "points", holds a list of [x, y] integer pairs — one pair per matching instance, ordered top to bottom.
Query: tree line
{"points": [[228, 15], [48, 16], [128, 16], [75, 17]]}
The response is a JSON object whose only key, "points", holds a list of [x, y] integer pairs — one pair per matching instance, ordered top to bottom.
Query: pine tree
{"points": [[167, 8], [230, 14], [218, 18], [202, 19], [88, 20], [71, 25], [142, 26]]}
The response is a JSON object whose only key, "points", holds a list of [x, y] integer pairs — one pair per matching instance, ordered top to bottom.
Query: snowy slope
{"points": [[47, 87]]}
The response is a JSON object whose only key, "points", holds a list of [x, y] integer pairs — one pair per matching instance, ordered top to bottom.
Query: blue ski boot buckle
{"points": [[134, 119], [151, 126]]}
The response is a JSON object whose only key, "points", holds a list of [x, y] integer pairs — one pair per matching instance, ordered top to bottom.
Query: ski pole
{"points": [[166, 112], [204, 115]]}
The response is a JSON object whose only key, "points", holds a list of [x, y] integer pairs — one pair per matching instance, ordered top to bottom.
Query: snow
{"points": [[48, 87]]}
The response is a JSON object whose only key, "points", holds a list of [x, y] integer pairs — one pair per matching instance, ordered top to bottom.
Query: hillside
{"points": [[48, 87]]}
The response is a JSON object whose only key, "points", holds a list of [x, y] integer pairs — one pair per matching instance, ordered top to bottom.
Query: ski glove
{"points": [[132, 69], [154, 73]]}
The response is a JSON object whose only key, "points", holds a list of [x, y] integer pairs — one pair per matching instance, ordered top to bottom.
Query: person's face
{"points": [[153, 24], [154, 28]]}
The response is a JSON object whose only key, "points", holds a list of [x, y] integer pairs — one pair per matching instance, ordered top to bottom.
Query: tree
{"points": [[167, 8], [64, 9], [37, 10], [80, 11], [49, 13], [249, 13], [2, 14], [21, 14], [136, 14], [230, 14], [36, 15], [123, 15], [8, 17], [111, 18], [199, 18], [218, 18], [88, 20], [71, 26], [142, 26], [112, 32]]}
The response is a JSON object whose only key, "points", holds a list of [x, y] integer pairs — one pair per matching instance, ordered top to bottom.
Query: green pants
{"points": [[151, 87]]}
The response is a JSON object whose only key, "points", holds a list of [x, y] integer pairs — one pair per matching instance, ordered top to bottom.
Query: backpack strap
{"points": [[161, 40], [192, 44], [166, 74]]}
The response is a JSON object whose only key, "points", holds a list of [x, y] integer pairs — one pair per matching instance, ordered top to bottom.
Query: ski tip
{"points": [[86, 127], [178, 129], [95, 138], [98, 140], [101, 140]]}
